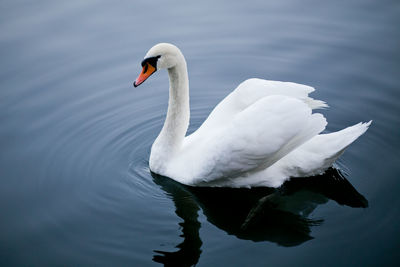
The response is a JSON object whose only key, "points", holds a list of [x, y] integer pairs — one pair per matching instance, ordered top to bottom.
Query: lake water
{"points": [[75, 135]]}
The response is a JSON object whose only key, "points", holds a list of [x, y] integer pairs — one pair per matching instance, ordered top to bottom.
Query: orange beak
{"points": [[147, 70]]}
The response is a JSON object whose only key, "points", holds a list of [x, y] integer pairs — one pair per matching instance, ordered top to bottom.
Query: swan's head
{"points": [[160, 56]]}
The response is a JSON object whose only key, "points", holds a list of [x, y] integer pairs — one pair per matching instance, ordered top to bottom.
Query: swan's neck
{"points": [[177, 120], [170, 139]]}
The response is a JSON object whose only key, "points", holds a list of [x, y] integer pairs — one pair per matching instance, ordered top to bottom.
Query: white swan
{"points": [[261, 134]]}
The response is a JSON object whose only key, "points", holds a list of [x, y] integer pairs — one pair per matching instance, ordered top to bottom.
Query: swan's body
{"points": [[261, 134]]}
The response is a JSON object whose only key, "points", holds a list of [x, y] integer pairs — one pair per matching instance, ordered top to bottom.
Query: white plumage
{"points": [[261, 134]]}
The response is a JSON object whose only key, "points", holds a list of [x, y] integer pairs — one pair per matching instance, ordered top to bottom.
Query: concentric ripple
{"points": [[75, 136]]}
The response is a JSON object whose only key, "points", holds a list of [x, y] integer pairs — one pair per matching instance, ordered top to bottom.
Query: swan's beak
{"points": [[147, 70]]}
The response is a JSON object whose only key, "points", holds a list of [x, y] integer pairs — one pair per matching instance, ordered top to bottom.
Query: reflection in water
{"points": [[278, 215]]}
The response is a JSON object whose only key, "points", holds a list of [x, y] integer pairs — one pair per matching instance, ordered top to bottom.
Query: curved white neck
{"points": [[176, 123]]}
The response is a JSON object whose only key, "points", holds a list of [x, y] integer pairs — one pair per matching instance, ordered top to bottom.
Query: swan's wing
{"points": [[249, 92], [254, 139]]}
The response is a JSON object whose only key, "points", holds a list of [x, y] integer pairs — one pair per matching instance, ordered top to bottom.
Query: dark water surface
{"points": [[75, 135]]}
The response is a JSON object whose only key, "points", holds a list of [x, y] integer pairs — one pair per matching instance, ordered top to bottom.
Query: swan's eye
{"points": [[150, 60]]}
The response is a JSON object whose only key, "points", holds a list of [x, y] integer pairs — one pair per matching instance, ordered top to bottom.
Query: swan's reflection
{"points": [[260, 214]]}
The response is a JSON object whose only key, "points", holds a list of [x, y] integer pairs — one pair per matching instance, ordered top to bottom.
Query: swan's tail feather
{"points": [[350, 134], [337, 142], [318, 154]]}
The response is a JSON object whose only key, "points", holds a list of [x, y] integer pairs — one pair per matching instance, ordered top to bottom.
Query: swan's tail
{"points": [[333, 145], [319, 153]]}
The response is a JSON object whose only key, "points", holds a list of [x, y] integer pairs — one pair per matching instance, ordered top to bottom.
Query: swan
{"points": [[262, 134]]}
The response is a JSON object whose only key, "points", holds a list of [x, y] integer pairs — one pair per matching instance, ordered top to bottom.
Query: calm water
{"points": [[75, 135]]}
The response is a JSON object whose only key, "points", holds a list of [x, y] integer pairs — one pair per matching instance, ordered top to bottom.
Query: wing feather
{"points": [[246, 94]]}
